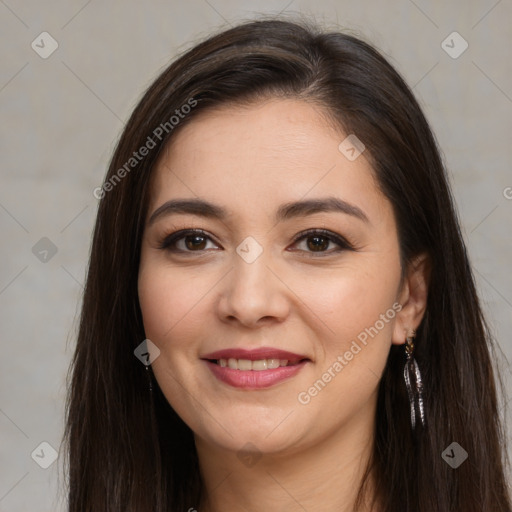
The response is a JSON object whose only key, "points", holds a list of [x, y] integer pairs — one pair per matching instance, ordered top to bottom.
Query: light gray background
{"points": [[61, 117]]}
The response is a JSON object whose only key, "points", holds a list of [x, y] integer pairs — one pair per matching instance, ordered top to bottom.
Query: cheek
{"points": [[353, 300], [169, 301], [171, 304], [358, 310]]}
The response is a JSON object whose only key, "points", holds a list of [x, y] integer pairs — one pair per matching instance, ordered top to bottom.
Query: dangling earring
{"points": [[149, 379], [413, 382]]}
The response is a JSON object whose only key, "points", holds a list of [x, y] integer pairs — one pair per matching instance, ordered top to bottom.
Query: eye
{"points": [[186, 240], [313, 240], [319, 240]]}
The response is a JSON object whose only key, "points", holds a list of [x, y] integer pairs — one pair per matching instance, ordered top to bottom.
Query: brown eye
{"points": [[187, 241], [193, 242], [322, 242], [317, 243]]}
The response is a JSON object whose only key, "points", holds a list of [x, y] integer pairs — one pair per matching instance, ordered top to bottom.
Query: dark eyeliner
{"points": [[168, 240], [339, 240]]}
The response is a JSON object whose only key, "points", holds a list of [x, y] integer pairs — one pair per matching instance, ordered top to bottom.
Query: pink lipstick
{"points": [[254, 369]]}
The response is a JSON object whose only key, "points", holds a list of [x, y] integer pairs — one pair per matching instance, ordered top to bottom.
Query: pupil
{"points": [[197, 242], [320, 242]]}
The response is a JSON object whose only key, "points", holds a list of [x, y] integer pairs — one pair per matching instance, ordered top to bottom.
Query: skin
{"points": [[250, 160]]}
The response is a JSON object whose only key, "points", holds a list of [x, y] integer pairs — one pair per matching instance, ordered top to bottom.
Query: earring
{"points": [[149, 379], [413, 382]]}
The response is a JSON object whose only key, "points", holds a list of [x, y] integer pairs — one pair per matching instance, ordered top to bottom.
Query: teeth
{"points": [[243, 364], [246, 364], [263, 364]]}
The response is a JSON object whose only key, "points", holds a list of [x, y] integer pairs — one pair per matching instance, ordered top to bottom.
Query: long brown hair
{"points": [[127, 450]]}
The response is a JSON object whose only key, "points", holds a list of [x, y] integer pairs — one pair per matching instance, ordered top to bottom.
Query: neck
{"points": [[322, 477]]}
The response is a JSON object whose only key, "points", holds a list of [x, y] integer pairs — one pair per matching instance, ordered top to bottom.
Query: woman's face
{"points": [[251, 283]]}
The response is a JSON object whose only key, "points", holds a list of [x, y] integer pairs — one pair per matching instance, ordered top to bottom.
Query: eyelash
{"points": [[168, 241]]}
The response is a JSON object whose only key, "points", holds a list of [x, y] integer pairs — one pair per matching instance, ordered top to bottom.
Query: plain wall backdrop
{"points": [[63, 112]]}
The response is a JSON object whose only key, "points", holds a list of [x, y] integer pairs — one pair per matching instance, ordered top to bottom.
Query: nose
{"points": [[252, 294]]}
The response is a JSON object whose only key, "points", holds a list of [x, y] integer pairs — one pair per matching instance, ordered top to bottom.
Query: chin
{"points": [[264, 437]]}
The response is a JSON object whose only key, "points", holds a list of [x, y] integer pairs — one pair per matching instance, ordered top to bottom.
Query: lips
{"points": [[254, 354], [254, 369]]}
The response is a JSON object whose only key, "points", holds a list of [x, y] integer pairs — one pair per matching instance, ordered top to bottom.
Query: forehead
{"points": [[253, 156]]}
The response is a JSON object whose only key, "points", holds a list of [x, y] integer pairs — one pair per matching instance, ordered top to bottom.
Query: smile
{"points": [[257, 366], [254, 369]]}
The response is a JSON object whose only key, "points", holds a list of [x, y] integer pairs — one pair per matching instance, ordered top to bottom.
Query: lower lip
{"points": [[251, 379]]}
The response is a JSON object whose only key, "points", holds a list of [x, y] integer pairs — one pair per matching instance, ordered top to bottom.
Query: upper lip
{"points": [[254, 354]]}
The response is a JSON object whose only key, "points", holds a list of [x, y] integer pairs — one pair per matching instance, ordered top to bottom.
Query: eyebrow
{"points": [[286, 211]]}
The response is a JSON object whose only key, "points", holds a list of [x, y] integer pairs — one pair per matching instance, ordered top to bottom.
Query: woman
{"points": [[279, 311]]}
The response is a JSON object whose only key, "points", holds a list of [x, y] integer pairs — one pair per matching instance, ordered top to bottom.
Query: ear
{"points": [[413, 298]]}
